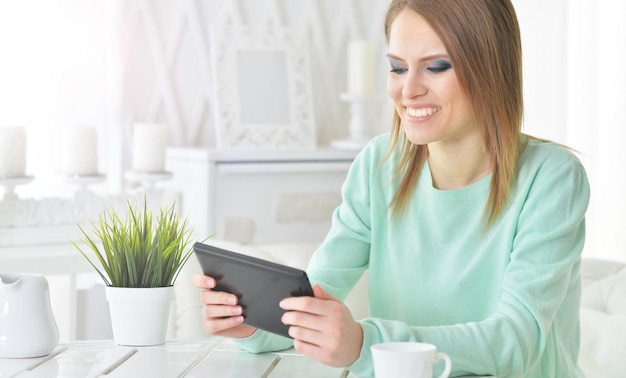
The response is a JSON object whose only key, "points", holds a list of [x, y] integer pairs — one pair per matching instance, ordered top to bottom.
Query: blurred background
{"points": [[112, 63]]}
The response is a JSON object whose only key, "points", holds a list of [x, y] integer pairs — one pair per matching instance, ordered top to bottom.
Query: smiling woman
{"points": [[454, 207]]}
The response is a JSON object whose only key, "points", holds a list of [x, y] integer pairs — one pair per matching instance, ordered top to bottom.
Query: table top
{"points": [[199, 358]]}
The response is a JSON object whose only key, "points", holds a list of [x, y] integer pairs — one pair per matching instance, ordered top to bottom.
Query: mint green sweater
{"points": [[501, 302]]}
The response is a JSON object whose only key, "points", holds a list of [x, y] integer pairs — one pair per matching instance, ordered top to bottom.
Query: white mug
{"points": [[407, 360]]}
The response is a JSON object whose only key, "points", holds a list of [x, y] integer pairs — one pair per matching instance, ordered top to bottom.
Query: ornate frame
{"points": [[286, 108]]}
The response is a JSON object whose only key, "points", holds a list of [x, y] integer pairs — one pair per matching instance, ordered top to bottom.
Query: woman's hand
{"points": [[221, 315], [323, 328]]}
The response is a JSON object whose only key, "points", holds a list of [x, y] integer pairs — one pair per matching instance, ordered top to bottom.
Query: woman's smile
{"points": [[422, 113]]}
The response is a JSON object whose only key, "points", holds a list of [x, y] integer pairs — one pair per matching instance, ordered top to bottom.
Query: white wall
{"points": [[112, 62], [52, 71], [575, 93]]}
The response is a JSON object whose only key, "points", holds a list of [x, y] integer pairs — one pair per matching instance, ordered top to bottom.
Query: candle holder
{"points": [[359, 122], [147, 180], [83, 181], [10, 183]]}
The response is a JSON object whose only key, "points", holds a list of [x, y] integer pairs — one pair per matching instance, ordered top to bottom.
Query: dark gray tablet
{"points": [[259, 284]]}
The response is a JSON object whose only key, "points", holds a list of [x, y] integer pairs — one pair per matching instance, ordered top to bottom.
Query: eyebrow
{"points": [[425, 58]]}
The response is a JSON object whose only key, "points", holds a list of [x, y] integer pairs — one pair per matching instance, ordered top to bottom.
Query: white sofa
{"points": [[602, 314], [603, 319]]}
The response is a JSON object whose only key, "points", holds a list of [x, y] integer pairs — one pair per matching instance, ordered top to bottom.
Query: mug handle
{"points": [[446, 359]]}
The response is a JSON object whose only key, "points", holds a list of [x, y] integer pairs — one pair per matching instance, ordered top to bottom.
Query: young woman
{"points": [[471, 231]]}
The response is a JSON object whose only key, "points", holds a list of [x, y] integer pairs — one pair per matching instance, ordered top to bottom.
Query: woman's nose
{"points": [[414, 86]]}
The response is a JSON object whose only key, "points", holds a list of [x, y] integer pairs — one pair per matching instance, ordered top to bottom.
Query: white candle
{"points": [[360, 68], [149, 144], [12, 151], [79, 155]]}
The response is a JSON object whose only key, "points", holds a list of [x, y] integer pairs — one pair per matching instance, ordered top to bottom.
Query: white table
{"points": [[214, 357]]}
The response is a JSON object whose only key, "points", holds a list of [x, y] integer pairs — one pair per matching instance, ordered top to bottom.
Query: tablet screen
{"points": [[259, 284]]}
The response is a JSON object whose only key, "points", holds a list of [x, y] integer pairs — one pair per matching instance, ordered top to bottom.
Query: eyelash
{"points": [[439, 67], [398, 70]]}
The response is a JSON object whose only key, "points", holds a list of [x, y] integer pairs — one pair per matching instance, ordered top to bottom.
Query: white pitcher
{"points": [[27, 326]]}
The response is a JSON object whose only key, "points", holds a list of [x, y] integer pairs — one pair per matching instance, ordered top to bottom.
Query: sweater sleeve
{"points": [[344, 255], [338, 277], [537, 311], [261, 341]]}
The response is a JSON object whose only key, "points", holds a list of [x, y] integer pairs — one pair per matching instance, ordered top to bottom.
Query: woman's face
{"points": [[424, 86]]}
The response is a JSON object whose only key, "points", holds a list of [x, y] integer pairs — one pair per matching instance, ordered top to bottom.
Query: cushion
{"points": [[603, 318]]}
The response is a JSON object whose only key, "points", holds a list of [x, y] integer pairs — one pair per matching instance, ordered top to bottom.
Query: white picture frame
{"points": [[262, 87]]}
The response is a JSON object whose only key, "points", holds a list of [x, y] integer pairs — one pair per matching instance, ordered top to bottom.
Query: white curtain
{"points": [[575, 93], [606, 133]]}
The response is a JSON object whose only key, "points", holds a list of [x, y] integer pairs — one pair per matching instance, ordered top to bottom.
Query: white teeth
{"points": [[421, 112]]}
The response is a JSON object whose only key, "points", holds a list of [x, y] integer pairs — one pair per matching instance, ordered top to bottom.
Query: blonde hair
{"points": [[483, 40]]}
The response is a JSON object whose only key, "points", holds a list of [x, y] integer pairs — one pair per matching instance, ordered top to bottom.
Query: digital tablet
{"points": [[259, 284]]}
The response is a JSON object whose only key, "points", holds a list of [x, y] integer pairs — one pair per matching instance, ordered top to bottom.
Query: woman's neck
{"points": [[455, 167]]}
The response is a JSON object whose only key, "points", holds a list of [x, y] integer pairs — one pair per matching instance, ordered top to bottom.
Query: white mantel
{"points": [[259, 196]]}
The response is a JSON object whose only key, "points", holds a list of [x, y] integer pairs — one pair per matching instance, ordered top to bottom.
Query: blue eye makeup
{"points": [[440, 65], [436, 66], [396, 68]]}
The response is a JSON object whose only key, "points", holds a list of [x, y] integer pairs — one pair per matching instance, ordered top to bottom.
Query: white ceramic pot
{"points": [[139, 316], [27, 326]]}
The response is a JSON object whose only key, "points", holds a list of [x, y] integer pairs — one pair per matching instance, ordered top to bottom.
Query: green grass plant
{"points": [[137, 251]]}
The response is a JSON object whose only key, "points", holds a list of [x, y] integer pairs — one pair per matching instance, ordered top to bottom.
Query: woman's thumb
{"points": [[318, 292]]}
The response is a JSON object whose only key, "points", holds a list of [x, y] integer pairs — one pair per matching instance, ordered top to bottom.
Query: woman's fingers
{"points": [[203, 282], [318, 292], [209, 297], [219, 304], [221, 311], [221, 315], [215, 326], [323, 328]]}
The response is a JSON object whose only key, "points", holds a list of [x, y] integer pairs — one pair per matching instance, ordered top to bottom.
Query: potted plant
{"points": [[139, 259]]}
